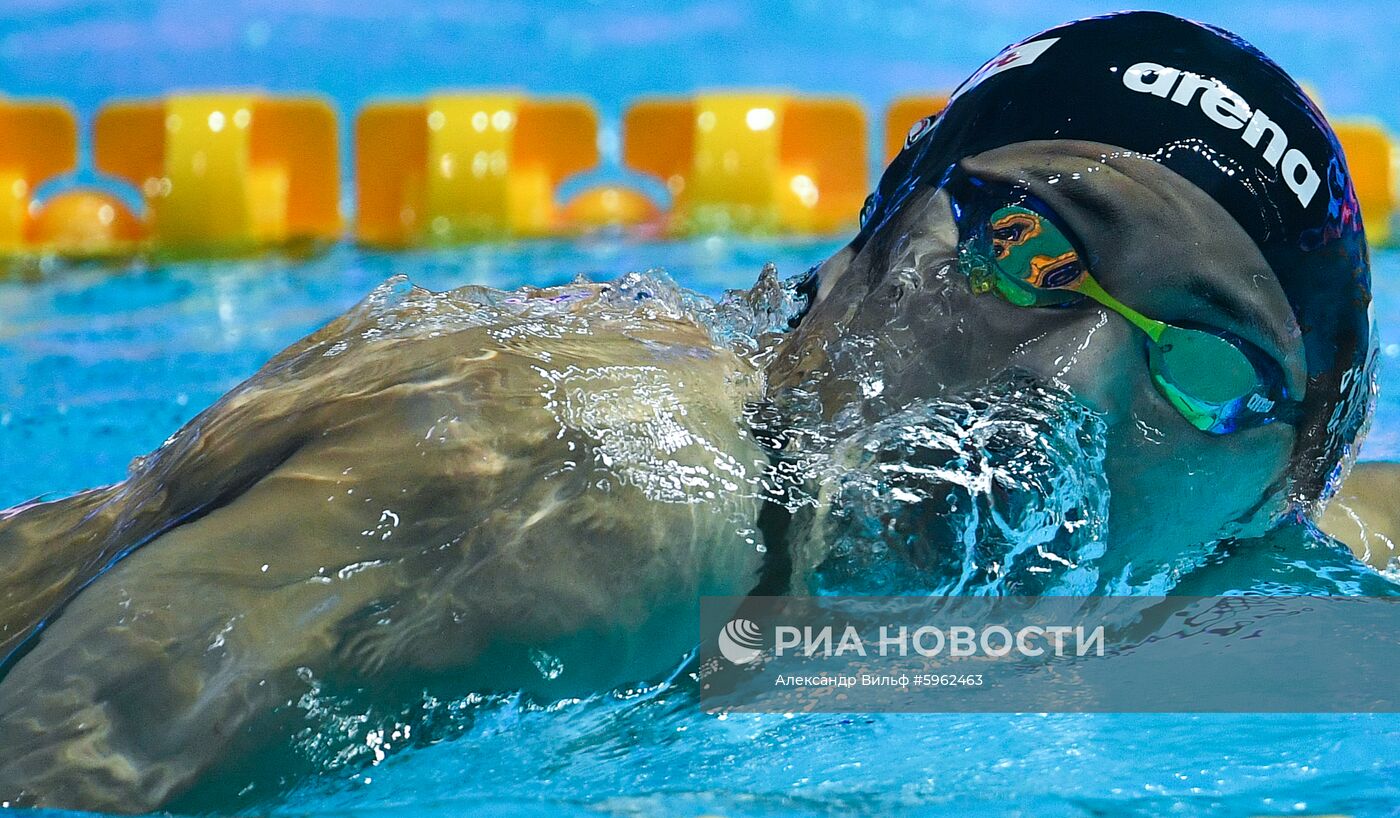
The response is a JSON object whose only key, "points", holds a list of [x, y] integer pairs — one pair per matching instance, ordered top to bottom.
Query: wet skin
{"points": [[1365, 514], [259, 554]]}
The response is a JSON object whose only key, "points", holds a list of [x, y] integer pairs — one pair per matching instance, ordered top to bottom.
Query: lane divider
{"points": [[235, 173]]}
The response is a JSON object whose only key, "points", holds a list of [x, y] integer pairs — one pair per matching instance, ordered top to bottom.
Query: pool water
{"points": [[100, 366]]}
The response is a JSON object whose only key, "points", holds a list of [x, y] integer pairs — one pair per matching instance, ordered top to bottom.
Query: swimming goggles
{"points": [[1220, 383]]}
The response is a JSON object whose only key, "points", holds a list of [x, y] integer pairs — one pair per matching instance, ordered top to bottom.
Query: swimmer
{"points": [[1143, 210], [1151, 213]]}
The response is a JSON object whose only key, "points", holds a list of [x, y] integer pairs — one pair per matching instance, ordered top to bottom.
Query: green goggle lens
{"points": [[1025, 258]]}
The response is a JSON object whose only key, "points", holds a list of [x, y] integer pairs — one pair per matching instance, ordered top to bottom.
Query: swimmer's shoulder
{"points": [[1365, 514]]}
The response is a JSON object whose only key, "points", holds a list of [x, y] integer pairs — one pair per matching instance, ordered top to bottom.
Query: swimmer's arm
{"points": [[1365, 514], [158, 667]]}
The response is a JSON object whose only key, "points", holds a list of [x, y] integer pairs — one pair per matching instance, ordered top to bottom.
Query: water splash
{"points": [[999, 492]]}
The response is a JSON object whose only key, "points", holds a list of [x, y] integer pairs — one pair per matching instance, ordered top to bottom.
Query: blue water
{"points": [[99, 367]]}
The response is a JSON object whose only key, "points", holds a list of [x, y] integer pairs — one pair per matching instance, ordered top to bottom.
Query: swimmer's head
{"points": [[1150, 212]]}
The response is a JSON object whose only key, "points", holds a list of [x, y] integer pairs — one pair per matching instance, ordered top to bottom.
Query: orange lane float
{"points": [[38, 141], [752, 161], [467, 167], [226, 173], [610, 206], [86, 225]]}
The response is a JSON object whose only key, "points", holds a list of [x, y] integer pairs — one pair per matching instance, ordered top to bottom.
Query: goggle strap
{"points": [[1154, 329]]}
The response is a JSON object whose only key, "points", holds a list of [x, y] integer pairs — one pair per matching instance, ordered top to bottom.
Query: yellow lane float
{"points": [[903, 114], [38, 141], [1369, 156], [751, 161], [467, 167], [226, 173]]}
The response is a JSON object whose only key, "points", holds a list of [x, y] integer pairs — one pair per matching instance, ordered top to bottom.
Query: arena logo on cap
{"points": [[1228, 109]]}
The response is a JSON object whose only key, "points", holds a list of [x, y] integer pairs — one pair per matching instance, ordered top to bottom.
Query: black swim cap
{"points": [[1215, 110]]}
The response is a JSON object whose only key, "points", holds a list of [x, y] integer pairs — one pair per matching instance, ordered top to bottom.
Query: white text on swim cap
{"points": [[1228, 109]]}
